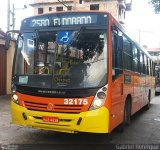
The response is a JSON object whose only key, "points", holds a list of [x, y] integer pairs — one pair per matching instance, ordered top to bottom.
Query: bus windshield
{"points": [[61, 59]]}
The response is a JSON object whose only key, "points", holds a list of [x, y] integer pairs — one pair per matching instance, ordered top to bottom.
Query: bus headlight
{"points": [[101, 95], [15, 99], [99, 99]]}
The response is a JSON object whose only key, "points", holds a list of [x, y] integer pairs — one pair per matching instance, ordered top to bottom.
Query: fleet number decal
{"points": [[75, 101]]}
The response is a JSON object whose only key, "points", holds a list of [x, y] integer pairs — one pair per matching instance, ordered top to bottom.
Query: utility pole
{"points": [[12, 12], [8, 15], [13, 17]]}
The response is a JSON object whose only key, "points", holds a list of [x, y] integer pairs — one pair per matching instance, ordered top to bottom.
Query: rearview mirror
{"points": [[10, 36], [7, 41]]}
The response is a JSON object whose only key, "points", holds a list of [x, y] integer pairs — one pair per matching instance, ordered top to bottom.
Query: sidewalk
{"points": [[5, 97], [4, 103], [4, 106], [5, 116]]}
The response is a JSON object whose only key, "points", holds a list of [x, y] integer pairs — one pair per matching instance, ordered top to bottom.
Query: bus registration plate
{"points": [[50, 119]]}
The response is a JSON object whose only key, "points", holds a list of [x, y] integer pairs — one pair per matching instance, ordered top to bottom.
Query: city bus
{"points": [[78, 72]]}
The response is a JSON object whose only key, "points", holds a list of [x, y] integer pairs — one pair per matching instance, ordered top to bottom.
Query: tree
{"points": [[156, 5]]}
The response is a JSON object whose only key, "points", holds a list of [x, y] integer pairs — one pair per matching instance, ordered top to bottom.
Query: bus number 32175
{"points": [[75, 101]]}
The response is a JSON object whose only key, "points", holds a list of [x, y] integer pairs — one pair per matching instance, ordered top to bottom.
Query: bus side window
{"points": [[117, 42], [117, 47], [127, 53], [135, 59], [141, 62], [145, 64], [153, 65], [151, 68]]}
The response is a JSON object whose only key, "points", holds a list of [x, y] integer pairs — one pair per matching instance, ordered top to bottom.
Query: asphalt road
{"points": [[144, 129]]}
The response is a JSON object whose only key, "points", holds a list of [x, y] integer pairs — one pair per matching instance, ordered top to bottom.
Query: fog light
{"points": [[15, 99], [97, 103]]}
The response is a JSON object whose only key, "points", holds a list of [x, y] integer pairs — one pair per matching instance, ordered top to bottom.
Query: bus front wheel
{"points": [[149, 100], [127, 112], [126, 116]]}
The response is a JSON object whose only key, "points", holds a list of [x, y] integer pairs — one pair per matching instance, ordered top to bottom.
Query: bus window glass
{"points": [[114, 50], [118, 50], [25, 54], [116, 54], [127, 54], [135, 58], [63, 59], [141, 62], [148, 62], [145, 65], [151, 68]]}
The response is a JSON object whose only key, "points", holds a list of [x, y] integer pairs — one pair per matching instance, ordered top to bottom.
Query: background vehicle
{"points": [[78, 72], [157, 73]]}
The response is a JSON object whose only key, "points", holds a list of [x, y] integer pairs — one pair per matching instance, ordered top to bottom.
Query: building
{"points": [[116, 7], [6, 60]]}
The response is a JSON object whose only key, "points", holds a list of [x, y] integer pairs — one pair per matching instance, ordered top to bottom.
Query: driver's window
{"points": [[25, 54]]}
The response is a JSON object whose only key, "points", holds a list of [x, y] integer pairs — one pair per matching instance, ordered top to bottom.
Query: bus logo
{"points": [[50, 107]]}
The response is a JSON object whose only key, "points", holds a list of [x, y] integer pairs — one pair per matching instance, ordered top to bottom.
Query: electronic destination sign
{"points": [[65, 19]]}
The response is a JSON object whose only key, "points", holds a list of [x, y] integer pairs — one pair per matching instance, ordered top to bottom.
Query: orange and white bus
{"points": [[78, 72]]}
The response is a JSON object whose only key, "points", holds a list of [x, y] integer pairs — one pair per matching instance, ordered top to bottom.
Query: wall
{"points": [[110, 6], [10, 55], [3, 64], [8, 67]]}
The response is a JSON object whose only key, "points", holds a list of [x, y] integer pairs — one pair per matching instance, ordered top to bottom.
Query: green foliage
{"points": [[156, 5]]}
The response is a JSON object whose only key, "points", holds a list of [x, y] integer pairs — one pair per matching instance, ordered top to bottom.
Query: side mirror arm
{"points": [[9, 38]]}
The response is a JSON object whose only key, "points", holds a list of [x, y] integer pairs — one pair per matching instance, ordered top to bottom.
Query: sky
{"points": [[19, 13], [141, 22]]}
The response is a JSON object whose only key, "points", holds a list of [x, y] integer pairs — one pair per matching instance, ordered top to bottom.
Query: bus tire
{"points": [[157, 93], [149, 100], [127, 112], [126, 116], [120, 128]]}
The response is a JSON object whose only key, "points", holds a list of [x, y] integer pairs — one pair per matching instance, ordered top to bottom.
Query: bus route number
{"points": [[40, 22], [75, 101]]}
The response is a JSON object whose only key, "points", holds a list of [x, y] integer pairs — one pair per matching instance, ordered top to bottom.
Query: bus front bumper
{"points": [[95, 121]]}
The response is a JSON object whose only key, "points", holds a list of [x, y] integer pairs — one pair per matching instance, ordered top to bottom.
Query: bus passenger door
{"points": [[117, 80]]}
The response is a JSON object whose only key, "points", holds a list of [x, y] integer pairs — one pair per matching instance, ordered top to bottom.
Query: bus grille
{"points": [[57, 108]]}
